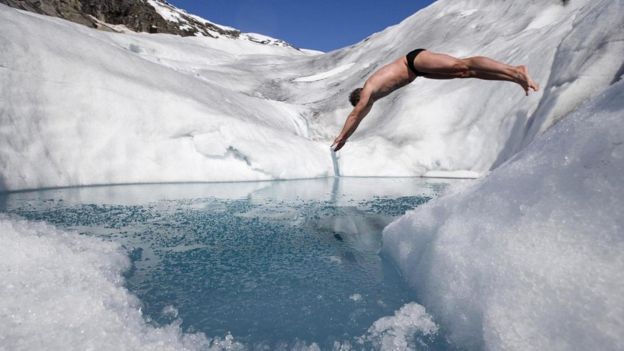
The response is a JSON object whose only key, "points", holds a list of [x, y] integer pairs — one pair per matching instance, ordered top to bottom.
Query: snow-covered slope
{"points": [[184, 19], [196, 25], [574, 51], [82, 107], [111, 108], [532, 256]]}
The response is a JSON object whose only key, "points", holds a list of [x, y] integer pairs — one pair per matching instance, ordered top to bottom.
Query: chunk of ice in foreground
{"points": [[531, 257], [63, 291]]}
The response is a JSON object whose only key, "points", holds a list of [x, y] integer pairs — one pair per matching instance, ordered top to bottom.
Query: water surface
{"points": [[274, 264]]}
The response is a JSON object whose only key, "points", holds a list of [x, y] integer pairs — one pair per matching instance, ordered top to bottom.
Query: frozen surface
{"points": [[82, 106], [531, 257]]}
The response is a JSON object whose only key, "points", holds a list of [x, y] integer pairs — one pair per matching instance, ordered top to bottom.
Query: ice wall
{"points": [[81, 106], [531, 257]]}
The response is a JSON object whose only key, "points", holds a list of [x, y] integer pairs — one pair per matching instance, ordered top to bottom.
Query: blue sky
{"points": [[318, 24]]}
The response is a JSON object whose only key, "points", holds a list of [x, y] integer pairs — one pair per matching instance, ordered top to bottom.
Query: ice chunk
{"points": [[531, 257], [63, 291], [403, 330]]}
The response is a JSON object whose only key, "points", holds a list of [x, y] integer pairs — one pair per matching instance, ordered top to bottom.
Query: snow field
{"points": [[153, 122]]}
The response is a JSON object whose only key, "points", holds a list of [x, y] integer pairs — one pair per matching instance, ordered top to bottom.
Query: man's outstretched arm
{"points": [[355, 117]]}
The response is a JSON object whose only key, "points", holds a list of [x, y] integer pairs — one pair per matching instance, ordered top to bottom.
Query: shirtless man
{"points": [[424, 63]]}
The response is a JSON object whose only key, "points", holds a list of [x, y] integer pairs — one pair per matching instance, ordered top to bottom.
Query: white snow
{"points": [[165, 12], [466, 13], [173, 14], [549, 16], [185, 22], [264, 39], [312, 51], [324, 75], [136, 108], [139, 108], [452, 174], [531, 257], [403, 330]]}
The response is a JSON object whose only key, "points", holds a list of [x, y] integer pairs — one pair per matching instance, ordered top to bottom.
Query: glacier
{"points": [[136, 108], [529, 257]]}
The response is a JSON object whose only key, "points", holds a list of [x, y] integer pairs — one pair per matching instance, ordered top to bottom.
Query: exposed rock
{"points": [[136, 15]]}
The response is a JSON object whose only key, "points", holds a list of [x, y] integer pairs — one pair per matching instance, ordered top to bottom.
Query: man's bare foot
{"points": [[525, 80]]}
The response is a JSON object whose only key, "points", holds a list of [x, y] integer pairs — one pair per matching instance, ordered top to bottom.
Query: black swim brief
{"points": [[410, 62]]}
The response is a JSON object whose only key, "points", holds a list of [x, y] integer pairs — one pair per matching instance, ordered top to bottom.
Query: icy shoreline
{"points": [[440, 176], [77, 301]]}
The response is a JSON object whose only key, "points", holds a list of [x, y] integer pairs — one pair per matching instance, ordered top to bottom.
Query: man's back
{"points": [[389, 78]]}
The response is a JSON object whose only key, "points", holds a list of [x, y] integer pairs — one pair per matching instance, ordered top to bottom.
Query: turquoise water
{"points": [[274, 264]]}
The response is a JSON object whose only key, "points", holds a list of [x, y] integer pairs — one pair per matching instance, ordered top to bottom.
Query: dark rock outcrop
{"points": [[136, 15]]}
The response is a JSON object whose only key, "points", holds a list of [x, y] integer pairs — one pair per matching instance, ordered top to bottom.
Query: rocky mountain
{"points": [[153, 16]]}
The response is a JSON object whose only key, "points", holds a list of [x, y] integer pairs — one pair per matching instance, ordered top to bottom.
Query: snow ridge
{"points": [[201, 26]]}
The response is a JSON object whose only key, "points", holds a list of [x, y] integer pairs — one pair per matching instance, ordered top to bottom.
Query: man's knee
{"points": [[462, 67], [465, 74]]}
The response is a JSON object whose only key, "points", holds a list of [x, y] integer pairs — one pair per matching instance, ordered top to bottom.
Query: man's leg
{"points": [[441, 65], [470, 74]]}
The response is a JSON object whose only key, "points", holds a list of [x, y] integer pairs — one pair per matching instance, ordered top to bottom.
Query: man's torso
{"points": [[389, 78]]}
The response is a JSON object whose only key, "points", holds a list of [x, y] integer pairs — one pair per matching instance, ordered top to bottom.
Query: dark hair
{"points": [[354, 97]]}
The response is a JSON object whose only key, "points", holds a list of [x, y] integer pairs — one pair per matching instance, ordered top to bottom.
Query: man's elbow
{"points": [[366, 101], [363, 106]]}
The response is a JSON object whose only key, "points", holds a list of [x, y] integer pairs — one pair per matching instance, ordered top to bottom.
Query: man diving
{"points": [[424, 63]]}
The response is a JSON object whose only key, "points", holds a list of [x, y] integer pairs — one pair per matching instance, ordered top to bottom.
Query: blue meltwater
{"points": [[273, 265]]}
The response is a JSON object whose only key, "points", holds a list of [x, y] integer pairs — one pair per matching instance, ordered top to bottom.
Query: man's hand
{"points": [[338, 144]]}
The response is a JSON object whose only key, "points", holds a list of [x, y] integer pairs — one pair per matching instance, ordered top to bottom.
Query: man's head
{"points": [[354, 97]]}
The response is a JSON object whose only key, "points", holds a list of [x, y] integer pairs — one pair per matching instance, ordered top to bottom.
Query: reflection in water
{"points": [[337, 190], [273, 263]]}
